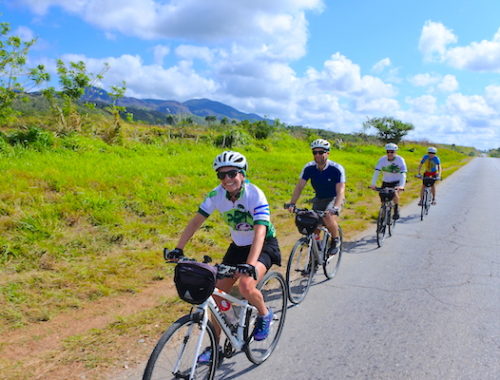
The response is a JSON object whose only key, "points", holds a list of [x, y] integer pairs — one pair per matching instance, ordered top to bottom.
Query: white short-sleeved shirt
{"points": [[392, 170], [249, 209]]}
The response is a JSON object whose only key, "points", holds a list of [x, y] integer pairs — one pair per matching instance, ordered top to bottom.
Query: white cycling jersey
{"points": [[392, 171], [249, 209]]}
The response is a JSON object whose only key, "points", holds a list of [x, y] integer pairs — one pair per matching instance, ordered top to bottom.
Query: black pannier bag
{"points": [[428, 182], [386, 194], [307, 221], [195, 281]]}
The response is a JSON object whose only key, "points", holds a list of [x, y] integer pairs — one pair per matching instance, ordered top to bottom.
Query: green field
{"points": [[82, 220]]}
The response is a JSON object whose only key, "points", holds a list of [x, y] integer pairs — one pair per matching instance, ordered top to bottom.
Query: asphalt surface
{"points": [[426, 305]]}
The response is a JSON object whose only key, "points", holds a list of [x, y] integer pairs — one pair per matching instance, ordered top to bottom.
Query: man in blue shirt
{"points": [[328, 181]]}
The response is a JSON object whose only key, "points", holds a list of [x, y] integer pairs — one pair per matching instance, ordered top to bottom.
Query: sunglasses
{"points": [[389, 151], [315, 152], [431, 153], [229, 173]]}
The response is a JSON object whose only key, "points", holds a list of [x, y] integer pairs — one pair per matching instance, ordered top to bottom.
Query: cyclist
{"points": [[432, 169], [394, 171], [328, 181], [254, 247]]}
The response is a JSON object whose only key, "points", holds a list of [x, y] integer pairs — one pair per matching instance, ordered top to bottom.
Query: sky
{"points": [[330, 64]]}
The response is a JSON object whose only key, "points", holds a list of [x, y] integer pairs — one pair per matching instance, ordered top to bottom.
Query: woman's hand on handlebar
{"points": [[173, 255]]}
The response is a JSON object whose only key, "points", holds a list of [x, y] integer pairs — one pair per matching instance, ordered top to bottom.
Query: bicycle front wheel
{"points": [[424, 205], [390, 221], [381, 226], [331, 263], [299, 271], [273, 289], [177, 351]]}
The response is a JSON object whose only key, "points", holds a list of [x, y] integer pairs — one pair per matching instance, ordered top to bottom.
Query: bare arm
{"points": [[340, 189], [298, 190], [190, 229], [257, 244]]}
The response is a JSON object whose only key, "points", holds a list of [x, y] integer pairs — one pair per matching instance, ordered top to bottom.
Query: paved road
{"points": [[424, 306]]}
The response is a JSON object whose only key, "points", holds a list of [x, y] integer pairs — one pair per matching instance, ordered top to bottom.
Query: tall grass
{"points": [[81, 219]]}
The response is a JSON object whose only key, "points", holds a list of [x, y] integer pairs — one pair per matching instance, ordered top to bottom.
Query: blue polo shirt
{"points": [[324, 181]]}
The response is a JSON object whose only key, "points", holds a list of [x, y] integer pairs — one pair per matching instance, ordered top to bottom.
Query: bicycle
{"points": [[426, 200], [385, 221], [309, 252], [176, 354]]}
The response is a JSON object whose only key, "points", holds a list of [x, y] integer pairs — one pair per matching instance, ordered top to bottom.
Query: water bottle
{"points": [[317, 237], [228, 312]]}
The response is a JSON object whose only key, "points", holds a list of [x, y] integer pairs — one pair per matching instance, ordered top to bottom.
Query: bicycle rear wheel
{"points": [[381, 226], [331, 264], [299, 271], [273, 289], [176, 352]]}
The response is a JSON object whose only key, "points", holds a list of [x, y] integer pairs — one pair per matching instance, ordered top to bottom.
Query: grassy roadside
{"points": [[85, 221]]}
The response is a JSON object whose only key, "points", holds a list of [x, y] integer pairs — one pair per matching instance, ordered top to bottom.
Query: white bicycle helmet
{"points": [[320, 143], [391, 146], [432, 150], [230, 158]]}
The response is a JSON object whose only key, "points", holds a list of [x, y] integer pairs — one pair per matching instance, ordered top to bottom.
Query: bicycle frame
{"points": [[315, 244], [236, 338]]}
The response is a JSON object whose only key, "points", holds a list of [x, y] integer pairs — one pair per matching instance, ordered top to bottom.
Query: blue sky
{"points": [[322, 64]]}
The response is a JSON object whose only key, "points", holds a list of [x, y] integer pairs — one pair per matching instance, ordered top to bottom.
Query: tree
{"points": [[14, 76], [73, 79], [210, 119], [389, 129]]}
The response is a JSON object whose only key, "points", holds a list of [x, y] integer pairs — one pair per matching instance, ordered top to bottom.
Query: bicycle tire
{"points": [[424, 202], [428, 202], [389, 220], [380, 233], [331, 264], [299, 271], [273, 289], [169, 349]]}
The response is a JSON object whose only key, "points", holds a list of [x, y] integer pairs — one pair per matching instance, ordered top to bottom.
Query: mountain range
{"points": [[157, 109]]}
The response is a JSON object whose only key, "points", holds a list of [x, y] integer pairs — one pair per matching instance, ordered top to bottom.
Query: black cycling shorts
{"points": [[390, 184], [269, 255]]}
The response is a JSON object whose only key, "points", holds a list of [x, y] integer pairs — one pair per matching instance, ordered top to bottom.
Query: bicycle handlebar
{"points": [[388, 189], [223, 270]]}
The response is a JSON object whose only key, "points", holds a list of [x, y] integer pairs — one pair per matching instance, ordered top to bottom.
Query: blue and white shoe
{"points": [[262, 326]]}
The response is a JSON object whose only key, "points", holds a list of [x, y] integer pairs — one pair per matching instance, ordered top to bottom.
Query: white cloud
{"points": [[276, 29], [25, 33], [434, 39], [190, 52], [159, 53], [478, 56], [483, 56], [381, 65], [341, 76], [424, 80], [179, 82], [433, 82], [449, 83], [426, 104]]}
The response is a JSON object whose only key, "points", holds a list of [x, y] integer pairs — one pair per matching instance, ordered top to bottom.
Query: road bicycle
{"points": [[426, 200], [385, 221], [309, 252], [176, 355]]}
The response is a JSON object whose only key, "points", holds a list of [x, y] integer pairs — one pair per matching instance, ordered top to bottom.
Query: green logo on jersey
{"points": [[392, 168], [212, 194], [238, 220]]}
